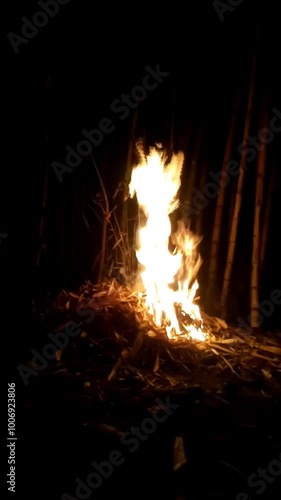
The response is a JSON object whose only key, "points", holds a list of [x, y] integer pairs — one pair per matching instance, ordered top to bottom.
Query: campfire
{"points": [[169, 260], [151, 327]]}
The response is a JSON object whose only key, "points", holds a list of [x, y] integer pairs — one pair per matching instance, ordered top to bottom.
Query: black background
{"points": [[66, 78]]}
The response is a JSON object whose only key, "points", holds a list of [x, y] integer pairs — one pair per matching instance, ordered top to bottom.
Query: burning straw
{"points": [[157, 332], [139, 349]]}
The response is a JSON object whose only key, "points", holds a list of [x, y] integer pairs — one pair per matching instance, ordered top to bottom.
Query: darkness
{"points": [[66, 78]]}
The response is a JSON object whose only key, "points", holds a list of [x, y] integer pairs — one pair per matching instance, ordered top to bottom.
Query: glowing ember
{"points": [[169, 260]]}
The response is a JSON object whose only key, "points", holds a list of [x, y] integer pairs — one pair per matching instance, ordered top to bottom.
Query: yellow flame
{"points": [[168, 275]]}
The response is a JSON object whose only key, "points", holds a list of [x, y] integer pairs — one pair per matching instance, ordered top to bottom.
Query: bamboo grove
{"points": [[246, 172], [228, 201]]}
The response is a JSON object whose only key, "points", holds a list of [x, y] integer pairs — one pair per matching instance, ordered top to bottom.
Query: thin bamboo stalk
{"points": [[173, 112], [132, 137], [140, 151], [261, 166], [193, 167], [192, 171], [46, 179], [202, 183], [238, 199], [231, 202], [106, 216], [266, 218], [214, 253], [126, 256]]}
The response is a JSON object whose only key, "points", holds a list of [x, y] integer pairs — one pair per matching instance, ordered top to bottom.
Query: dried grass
{"points": [[140, 349]]}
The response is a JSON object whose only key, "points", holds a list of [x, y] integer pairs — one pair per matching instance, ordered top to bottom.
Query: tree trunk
{"points": [[261, 165], [238, 199], [214, 254]]}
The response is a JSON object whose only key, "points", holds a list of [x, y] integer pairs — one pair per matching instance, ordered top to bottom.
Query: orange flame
{"points": [[168, 276]]}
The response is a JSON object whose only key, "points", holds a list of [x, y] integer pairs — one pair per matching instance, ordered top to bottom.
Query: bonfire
{"points": [[168, 276], [153, 327]]}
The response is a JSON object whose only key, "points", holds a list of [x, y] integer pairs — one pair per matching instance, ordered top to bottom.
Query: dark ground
{"points": [[74, 414], [63, 433]]}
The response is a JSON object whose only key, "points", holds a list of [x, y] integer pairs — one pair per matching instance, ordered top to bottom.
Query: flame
{"points": [[169, 260]]}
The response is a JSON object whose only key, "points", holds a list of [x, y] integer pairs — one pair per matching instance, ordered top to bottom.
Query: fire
{"points": [[169, 260]]}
